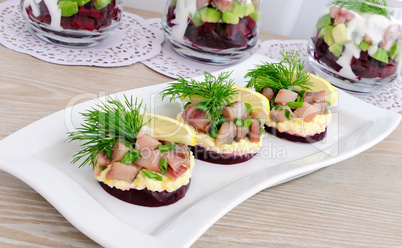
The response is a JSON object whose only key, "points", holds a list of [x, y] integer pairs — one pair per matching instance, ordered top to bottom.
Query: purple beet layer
{"points": [[88, 18], [218, 35], [364, 67], [296, 138], [219, 158], [146, 197]]}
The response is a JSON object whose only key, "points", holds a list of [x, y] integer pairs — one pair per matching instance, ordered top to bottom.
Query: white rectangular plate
{"points": [[39, 155]]}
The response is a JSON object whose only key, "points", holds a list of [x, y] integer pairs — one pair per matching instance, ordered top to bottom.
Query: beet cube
{"points": [[84, 12], [95, 13], [83, 23]]}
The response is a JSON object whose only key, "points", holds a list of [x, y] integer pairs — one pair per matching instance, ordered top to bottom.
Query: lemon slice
{"points": [[319, 84], [257, 101], [168, 129]]}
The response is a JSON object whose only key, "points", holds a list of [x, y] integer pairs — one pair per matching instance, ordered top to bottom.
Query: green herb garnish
{"points": [[368, 6], [286, 74], [216, 93], [294, 104], [248, 107], [277, 107], [287, 114], [238, 122], [247, 122], [104, 126], [167, 147], [130, 156], [163, 165], [152, 175]]}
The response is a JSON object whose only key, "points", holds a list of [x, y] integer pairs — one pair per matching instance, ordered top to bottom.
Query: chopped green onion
{"points": [[302, 92], [300, 99], [328, 104], [294, 105], [185, 106], [277, 107], [249, 108], [287, 114], [238, 122], [247, 122], [213, 132], [166, 148], [130, 156], [163, 165], [152, 175]]}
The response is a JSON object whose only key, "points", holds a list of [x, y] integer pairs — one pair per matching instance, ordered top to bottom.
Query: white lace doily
{"points": [[134, 40]]}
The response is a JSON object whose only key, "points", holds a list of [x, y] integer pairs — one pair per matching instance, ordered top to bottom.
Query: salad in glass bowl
{"points": [[214, 31], [356, 44]]}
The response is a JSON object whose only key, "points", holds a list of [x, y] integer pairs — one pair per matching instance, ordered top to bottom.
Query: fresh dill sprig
{"points": [[368, 6], [286, 74], [215, 92], [106, 124]]}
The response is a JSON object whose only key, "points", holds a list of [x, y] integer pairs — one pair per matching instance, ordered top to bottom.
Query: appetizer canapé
{"points": [[299, 100], [228, 119], [137, 157]]}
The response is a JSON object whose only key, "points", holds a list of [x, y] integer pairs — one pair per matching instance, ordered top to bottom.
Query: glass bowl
{"points": [[77, 23], [212, 31], [356, 44]]}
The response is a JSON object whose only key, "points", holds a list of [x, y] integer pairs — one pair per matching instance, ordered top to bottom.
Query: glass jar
{"points": [[79, 23], [212, 31], [356, 44]]}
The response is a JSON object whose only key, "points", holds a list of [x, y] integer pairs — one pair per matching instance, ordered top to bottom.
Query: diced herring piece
{"points": [[203, 3], [223, 5], [268, 93], [284, 96], [312, 97], [237, 110], [307, 112], [279, 115], [196, 117], [226, 133], [254, 134], [146, 142], [119, 150], [150, 160], [126, 172]]}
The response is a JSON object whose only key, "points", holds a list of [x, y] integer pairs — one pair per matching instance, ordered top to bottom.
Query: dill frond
{"points": [[368, 6], [285, 74], [216, 92], [106, 124]]}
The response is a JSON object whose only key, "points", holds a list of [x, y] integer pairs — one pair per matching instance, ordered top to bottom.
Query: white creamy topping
{"points": [[182, 11], [55, 14], [302, 128]]}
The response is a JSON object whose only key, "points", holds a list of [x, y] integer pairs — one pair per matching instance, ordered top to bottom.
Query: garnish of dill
{"points": [[367, 6], [286, 74], [216, 92], [106, 124]]}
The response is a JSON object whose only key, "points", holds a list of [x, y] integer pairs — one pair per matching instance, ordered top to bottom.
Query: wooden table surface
{"points": [[354, 203]]}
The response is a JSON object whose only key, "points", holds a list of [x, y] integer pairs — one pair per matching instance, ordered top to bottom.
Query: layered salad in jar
{"points": [[71, 18], [213, 24], [358, 40]]}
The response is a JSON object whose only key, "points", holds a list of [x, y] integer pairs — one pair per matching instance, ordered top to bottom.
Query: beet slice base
{"points": [[296, 138], [201, 153], [145, 197]]}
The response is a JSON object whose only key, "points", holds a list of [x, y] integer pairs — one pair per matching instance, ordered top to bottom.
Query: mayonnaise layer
{"points": [[299, 127], [143, 182]]}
